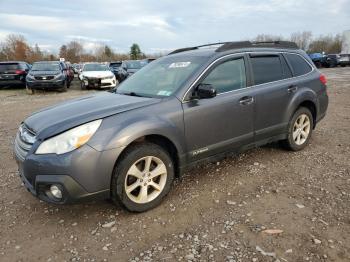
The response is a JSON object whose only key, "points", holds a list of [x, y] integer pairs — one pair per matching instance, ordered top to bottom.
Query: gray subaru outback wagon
{"points": [[195, 104]]}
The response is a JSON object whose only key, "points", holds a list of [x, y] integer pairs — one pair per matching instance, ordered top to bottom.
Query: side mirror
{"points": [[205, 91]]}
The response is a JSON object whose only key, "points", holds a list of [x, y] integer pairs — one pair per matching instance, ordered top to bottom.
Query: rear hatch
{"points": [[10, 71]]}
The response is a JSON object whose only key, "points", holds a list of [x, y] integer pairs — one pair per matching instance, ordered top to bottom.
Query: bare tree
{"points": [[267, 38], [302, 39], [328, 44], [15, 47], [74, 51]]}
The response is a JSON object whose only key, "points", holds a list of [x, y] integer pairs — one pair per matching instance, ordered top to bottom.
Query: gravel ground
{"points": [[221, 211]]}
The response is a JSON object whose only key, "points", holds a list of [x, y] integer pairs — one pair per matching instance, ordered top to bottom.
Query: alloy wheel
{"points": [[301, 129], [145, 179]]}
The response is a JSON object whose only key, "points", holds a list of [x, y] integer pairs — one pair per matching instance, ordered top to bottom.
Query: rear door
{"points": [[274, 89], [221, 123]]}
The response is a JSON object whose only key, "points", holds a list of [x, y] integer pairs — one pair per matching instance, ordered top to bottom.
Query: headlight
{"points": [[30, 76], [59, 76], [109, 77], [69, 140]]}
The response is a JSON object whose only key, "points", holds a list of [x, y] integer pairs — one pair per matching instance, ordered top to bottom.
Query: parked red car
{"points": [[68, 70]]}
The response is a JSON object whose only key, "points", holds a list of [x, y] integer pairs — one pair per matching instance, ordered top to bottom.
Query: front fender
{"points": [[119, 131]]}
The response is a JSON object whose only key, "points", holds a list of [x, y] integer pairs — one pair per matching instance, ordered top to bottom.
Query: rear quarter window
{"points": [[298, 64]]}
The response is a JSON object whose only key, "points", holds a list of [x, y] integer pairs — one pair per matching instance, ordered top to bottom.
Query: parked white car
{"points": [[96, 75]]}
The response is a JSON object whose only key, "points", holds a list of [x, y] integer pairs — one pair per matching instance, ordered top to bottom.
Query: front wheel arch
{"points": [[161, 141]]}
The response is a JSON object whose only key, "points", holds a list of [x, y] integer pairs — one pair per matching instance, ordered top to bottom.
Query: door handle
{"points": [[292, 89], [246, 100]]}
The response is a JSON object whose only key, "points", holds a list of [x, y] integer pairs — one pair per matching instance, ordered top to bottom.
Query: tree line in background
{"points": [[15, 47]]}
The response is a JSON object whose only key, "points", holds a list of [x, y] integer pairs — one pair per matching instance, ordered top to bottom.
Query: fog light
{"points": [[56, 192]]}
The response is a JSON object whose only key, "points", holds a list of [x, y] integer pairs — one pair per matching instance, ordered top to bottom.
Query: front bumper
{"points": [[344, 63], [99, 82], [40, 84], [83, 174]]}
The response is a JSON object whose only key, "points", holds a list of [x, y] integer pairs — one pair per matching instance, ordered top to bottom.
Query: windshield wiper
{"points": [[131, 94]]}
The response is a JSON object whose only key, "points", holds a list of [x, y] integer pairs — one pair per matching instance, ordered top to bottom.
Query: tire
{"points": [[82, 85], [65, 87], [30, 91], [299, 133], [134, 161]]}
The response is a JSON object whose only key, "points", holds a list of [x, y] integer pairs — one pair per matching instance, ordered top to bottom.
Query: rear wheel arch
{"points": [[312, 107]]}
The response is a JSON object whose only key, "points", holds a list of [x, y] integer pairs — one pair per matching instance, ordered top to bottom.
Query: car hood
{"points": [[44, 73], [97, 73], [56, 119]]}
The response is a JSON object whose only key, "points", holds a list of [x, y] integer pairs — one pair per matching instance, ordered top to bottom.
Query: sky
{"points": [[164, 25]]}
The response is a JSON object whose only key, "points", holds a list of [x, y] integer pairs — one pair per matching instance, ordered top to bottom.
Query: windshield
{"points": [[133, 64], [115, 65], [46, 67], [95, 67], [162, 77]]}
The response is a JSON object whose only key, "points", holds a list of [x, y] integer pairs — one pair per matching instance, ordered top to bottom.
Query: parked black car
{"points": [[332, 60], [344, 60], [146, 61], [129, 67], [116, 68], [13, 73], [47, 75], [193, 105]]}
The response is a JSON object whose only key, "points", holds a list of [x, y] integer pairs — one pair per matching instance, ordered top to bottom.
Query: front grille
{"points": [[44, 77], [24, 141]]}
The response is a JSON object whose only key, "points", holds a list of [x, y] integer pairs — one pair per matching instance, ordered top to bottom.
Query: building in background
{"points": [[346, 42]]}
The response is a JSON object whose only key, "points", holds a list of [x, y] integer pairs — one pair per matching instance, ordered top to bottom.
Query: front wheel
{"points": [[65, 86], [30, 91], [299, 130], [142, 177]]}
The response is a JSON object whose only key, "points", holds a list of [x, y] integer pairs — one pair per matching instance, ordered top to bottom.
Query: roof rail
{"points": [[246, 44], [225, 46], [194, 48]]}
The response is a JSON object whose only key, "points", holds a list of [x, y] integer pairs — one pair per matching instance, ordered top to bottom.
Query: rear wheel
{"points": [[30, 91], [299, 130], [142, 177]]}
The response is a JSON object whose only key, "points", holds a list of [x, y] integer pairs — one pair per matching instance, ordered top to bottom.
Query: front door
{"points": [[219, 124]]}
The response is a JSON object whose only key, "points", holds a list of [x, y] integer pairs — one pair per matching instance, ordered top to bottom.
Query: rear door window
{"points": [[298, 64], [267, 68]]}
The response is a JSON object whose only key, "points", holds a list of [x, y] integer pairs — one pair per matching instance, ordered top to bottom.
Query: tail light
{"points": [[20, 72], [323, 79]]}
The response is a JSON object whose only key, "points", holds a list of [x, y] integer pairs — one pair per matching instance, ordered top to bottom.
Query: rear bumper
{"points": [[12, 82], [46, 84]]}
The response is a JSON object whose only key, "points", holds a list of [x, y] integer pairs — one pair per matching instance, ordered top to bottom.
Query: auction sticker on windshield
{"points": [[179, 64], [164, 93]]}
